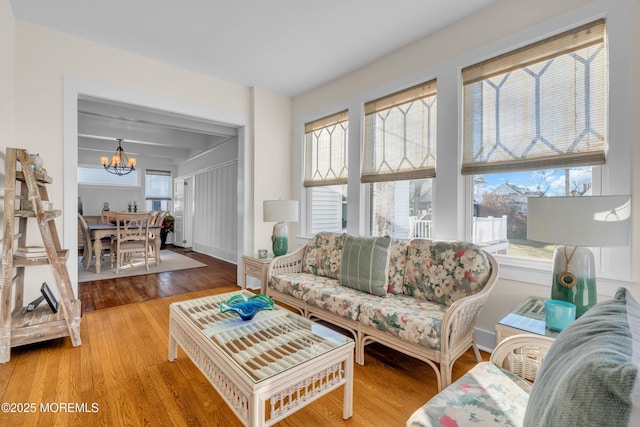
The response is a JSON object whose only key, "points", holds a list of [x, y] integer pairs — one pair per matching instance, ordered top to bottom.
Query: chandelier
{"points": [[120, 164]]}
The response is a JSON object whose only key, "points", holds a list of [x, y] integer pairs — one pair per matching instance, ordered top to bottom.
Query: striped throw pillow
{"points": [[365, 264]]}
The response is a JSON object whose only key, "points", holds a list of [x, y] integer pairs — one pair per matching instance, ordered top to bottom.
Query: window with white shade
{"points": [[534, 125], [399, 160], [325, 171], [158, 190]]}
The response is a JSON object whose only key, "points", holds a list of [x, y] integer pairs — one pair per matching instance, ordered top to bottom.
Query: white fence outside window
{"points": [[488, 232]]}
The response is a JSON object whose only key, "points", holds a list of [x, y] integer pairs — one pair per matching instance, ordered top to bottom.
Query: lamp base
{"points": [[280, 239], [575, 283]]}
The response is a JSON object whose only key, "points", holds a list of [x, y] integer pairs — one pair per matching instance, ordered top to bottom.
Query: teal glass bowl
{"points": [[246, 307]]}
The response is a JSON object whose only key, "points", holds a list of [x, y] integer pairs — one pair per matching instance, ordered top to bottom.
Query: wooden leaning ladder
{"points": [[19, 326]]}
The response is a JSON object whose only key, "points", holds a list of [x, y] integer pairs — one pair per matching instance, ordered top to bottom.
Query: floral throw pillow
{"points": [[323, 255], [397, 265], [445, 271]]}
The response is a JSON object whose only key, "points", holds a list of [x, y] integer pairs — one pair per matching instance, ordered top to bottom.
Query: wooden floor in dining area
{"points": [[99, 294], [120, 374]]}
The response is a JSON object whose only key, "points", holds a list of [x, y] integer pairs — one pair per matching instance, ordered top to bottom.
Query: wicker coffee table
{"points": [[265, 368]]}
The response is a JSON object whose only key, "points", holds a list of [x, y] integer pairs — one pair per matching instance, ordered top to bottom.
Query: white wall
{"points": [[493, 30], [52, 69], [7, 76], [223, 153], [272, 159], [269, 161], [216, 192]]}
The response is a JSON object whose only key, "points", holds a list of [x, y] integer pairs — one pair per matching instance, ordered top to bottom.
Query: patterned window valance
{"points": [[542, 106], [400, 135], [325, 159]]}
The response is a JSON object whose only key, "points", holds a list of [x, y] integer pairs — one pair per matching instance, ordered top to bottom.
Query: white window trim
{"points": [[451, 189]]}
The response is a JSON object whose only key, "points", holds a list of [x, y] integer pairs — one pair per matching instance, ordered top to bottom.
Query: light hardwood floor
{"points": [[120, 376]]}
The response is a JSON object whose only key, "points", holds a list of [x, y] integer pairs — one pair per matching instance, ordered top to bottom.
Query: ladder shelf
{"points": [[19, 326]]}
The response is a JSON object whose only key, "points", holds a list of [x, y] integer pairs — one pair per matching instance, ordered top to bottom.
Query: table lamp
{"points": [[280, 212], [577, 223]]}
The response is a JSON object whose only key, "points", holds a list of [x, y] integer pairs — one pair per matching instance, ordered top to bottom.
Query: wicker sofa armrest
{"points": [[286, 264], [458, 324], [522, 354]]}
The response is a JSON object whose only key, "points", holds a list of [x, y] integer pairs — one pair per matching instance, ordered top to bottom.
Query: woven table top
{"points": [[270, 343]]}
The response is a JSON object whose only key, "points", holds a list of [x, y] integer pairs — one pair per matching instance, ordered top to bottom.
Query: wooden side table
{"points": [[256, 267], [528, 316]]}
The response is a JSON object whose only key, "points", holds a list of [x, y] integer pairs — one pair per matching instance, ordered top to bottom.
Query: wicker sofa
{"points": [[421, 297]]}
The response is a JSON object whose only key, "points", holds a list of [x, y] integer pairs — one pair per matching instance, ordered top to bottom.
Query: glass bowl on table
{"points": [[246, 307]]}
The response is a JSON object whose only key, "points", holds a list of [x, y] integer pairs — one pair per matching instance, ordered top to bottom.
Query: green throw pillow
{"points": [[365, 264], [590, 375]]}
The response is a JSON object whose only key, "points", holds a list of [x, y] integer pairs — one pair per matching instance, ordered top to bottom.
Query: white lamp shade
{"points": [[280, 210], [592, 221]]}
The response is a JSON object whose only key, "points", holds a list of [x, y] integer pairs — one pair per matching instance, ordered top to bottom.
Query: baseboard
{"points": [[485, 340]]}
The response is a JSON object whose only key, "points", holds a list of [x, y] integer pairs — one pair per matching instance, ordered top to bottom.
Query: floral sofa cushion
{"points": [[323, 255], [397, 266], [443, 272], [296, 284], [337, 299], [412, 319], [486, 395]]}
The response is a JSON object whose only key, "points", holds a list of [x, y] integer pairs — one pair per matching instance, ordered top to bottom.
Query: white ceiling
{"points": [[285, 46], [166, 138]]}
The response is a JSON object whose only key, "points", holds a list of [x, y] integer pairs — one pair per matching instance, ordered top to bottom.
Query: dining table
{"points": [[99, 231]]}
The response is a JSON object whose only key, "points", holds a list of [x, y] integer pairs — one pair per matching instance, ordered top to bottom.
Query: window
{"points": [[535, 122], [399, 160], [326, 172], [96, 175], [157, 190], [500, 206]]}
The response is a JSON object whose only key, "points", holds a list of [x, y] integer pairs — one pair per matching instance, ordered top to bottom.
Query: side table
{"points": [[256, 267], [528, 316]]}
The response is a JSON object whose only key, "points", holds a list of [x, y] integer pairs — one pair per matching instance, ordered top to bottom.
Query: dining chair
{"points": [[107, 217], [154, 235], [132, 237], [87, 250]]}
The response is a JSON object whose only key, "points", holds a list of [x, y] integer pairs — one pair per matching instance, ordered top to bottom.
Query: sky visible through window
{"points": [[552, 182]]}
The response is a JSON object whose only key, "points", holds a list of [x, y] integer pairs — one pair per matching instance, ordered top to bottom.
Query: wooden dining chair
{"points": [[107, 217], [154, 235], [131, 238], [87, 249]]}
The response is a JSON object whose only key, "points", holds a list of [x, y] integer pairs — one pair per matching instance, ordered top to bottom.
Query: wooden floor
{"points": [[101, 294], [120, 375]]}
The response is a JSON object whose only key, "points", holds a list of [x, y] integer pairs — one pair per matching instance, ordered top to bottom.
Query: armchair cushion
{"points": [[365, 264], [590, 375], [487, 395]]}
